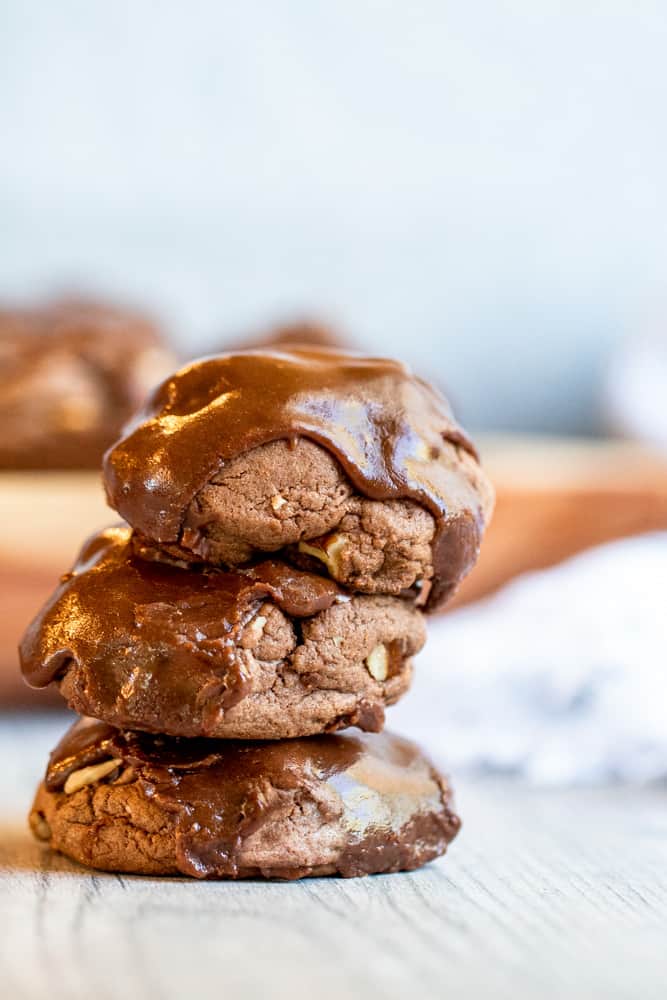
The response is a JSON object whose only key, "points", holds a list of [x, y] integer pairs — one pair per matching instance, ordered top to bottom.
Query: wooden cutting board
{"points": [[557, 496], [554, 498]]}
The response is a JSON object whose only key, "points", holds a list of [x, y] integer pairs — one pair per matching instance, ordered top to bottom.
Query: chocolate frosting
{"points": [[385, 426], [168, 623], [391, 806]]}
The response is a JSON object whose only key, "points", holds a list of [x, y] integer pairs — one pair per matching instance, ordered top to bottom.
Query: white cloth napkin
{"points": [[560, 678]]}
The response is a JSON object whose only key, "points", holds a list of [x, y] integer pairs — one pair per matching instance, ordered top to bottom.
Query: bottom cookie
{"points": [[350, 804]]}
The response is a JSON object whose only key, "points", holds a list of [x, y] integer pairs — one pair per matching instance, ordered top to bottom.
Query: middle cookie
{"points": [[265, 653]]}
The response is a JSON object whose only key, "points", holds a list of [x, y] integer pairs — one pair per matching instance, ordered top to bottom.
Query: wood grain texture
{"points": [[545, 894]]}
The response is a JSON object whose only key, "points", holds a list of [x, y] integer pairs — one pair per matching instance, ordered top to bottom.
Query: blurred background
{"points": [[476, 188]]}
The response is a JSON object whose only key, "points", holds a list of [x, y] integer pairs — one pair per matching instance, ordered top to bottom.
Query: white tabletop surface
{"points": [[545, 894]]}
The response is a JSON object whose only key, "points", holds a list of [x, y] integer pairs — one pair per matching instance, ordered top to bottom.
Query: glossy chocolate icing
{"points": [[384, 425], [173, 626], [391, 806]]}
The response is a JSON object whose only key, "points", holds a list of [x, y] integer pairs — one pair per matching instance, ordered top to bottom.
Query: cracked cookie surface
{"points": [[296, 497]]}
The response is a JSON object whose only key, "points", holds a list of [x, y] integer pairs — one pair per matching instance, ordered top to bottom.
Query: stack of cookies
{"points": [[291, 516]]}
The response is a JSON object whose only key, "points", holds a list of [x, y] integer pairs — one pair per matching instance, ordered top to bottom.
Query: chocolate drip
{"points": [[385, 426], [171, 625], [381, 791]]}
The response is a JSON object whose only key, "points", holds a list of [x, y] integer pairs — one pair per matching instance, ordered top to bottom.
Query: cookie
{"points": [[300, 332], [71, 373], [352, 465], [267, 652], [339, 804]]}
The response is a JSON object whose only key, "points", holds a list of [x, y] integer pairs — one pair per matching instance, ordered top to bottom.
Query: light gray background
{"points": [[476, 186]]}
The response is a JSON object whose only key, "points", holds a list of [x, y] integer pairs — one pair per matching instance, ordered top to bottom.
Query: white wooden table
{"points": [[545, 894]]}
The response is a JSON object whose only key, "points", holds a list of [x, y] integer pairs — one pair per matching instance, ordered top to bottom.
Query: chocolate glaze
{"points": [[384, 425], [173, 626], [391, 806]]}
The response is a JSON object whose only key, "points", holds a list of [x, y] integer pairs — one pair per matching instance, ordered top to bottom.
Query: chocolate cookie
{"points": [[299, 332], [71, 373], [353, 464], [266, 652], [347, 804]]}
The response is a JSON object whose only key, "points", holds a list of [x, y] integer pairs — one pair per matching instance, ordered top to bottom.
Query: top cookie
{"points": [[71, 373], [347, 462]]}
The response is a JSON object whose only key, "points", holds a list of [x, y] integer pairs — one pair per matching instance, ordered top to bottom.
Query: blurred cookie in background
{"points": [[312, 332], [71, 373]]}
